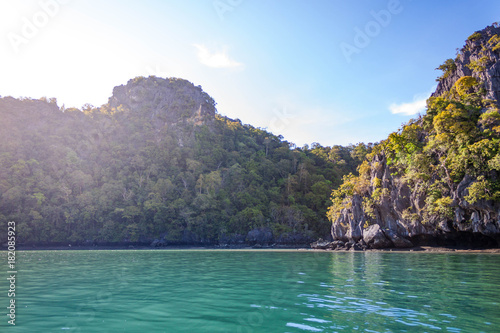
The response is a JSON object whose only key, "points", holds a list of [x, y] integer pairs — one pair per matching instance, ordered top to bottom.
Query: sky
{"points": [[326, 71]]}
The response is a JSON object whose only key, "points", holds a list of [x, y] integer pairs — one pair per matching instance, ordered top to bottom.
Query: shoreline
{"points": [[418, 249]]}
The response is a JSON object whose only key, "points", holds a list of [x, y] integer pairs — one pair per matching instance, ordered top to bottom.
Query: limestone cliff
{"points": [[477, 58], [173, 99], [170, 105], [436, 180]]}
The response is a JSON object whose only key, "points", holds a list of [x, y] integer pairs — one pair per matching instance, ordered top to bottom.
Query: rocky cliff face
{"points": [[477, 58], [170, 104], [390, 205], [472, 225]]}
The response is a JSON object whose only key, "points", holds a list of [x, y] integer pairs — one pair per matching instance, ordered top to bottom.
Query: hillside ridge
{"points": [[158, 165]]}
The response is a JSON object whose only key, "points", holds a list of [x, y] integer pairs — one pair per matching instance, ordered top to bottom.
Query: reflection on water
{"points": [[257, 291]]}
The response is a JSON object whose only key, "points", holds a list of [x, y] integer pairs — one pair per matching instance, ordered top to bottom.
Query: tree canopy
{"points": [[156, 162]]}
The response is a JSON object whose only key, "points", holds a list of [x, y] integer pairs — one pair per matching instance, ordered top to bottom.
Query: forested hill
{"points": [[158, 164], [436, 180]]}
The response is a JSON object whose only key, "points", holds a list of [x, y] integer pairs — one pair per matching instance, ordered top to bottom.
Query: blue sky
{"points": [[332, 71]]}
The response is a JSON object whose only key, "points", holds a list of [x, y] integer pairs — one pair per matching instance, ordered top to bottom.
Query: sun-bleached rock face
{"points": [[172, 101]]}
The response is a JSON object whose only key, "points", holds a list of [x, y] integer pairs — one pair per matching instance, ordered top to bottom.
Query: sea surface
{"points": [[252, 291]]}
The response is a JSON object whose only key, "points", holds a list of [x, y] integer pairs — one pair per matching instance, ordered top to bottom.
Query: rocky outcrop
{"points": [[479, 49], [172, 100], [171, 105], [390, 209], [399, 217], [349, 225], [388, 228], [375, 237], [397, 240]]}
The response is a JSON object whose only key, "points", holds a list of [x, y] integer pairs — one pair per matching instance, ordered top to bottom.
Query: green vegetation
{"points": [[475, 36], [494, 43], [479, 65], [447, 67], [465, 85], [458, 140], [435, 153], [157, 161], [113, 174], [483, 189]]}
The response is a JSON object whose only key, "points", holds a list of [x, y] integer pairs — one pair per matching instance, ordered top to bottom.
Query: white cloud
{"points": [[217, 59], [417, 106], [408, 109]]}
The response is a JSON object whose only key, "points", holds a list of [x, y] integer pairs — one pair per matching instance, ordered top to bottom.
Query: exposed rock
{"points": [[473, 50], [160, 95], [170, 104], [401, 215], [353, 219], [260, 236], [375, 238], [397, 240], [362, 242], [338, 243], [349, 244], [321, 245], [356, 247]]}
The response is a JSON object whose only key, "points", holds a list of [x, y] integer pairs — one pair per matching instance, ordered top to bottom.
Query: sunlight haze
{"points": [[359, 71]]}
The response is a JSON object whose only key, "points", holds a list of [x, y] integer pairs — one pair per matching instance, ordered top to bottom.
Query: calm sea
{"points": [[252, 291]]}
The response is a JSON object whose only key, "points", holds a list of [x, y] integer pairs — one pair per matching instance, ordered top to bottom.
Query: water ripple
{"points": [[227, 292], [354, 305], [304, 327]]}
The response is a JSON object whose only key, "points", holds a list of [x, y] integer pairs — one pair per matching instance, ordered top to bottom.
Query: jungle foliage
{"points": [[111, 175]]}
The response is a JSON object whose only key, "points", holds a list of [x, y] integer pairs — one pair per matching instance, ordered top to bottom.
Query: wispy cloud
{"points": [[216, 59], [408, 109]]}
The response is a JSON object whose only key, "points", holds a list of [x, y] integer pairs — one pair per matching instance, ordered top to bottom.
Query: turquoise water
{"points": [[236, 291]]}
